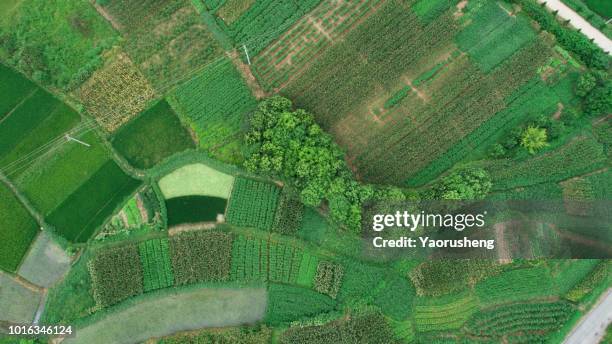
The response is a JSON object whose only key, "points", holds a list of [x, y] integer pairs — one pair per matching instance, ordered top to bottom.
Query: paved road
{"points": [[580, 23], [592, 326]]}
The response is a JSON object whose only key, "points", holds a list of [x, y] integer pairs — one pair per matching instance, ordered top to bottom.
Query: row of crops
{"points": [[288, 56], [214, 104]]}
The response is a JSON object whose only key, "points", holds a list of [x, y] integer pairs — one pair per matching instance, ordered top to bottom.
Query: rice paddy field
{"points": [[154, 135], [196, 179], [17, 229]]}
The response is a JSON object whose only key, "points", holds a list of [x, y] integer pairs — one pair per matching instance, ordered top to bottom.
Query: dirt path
{"points": [[114, 23], [580, 23], [245, 70], [190, 227], [502, 246], [41, 307], [592, 326]]}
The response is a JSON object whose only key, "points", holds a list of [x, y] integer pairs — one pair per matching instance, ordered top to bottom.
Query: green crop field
{"points": [[214, 104], [134, 140], [216, 171], [196, 180], [252, 204], [79, 215], [17, 229], [156, 266]]}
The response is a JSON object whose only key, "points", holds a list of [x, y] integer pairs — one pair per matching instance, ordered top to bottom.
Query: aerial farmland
{"points": [[223, 171]]}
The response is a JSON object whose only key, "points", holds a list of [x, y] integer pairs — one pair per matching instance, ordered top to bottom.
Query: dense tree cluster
{"points": [[595, 89], [288, 143], [464, 184]]}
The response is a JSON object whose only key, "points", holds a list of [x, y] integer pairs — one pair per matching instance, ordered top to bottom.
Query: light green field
{"points": [[196, 180], [45, 263], [17, 303], [175, 311]]}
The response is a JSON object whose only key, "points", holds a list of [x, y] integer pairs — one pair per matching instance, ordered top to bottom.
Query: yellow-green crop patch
{"points": [[196, 180]]}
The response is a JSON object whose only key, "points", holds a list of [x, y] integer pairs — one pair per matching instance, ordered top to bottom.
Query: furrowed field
{"points": [[402, 88], [214, 103]]}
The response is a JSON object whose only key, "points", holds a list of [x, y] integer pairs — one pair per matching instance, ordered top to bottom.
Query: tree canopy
{"points": [[290, 144]]}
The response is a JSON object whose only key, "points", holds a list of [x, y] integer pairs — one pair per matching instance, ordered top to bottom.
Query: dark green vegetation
{"points": [[57, 43], [214, 104], [154, 135], [252, 204], [194, 209], [288, 215], [78, 216], [17, 229], [201, 257], [116, 275], [289, 303]]}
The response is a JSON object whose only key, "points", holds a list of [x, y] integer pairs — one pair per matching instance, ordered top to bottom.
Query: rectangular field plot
{"points": [[267, 19], [166, 39], [14, 88], [116, 92], [214, 103], [135, 140], [253, 204], [194, 209], [79, 215], [17, 229], [201, 256], [255, 259], [46, 261], [156, 265], [18, 302], [177, 310]]}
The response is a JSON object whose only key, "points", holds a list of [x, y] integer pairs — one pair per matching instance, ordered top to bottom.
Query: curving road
{"points": [[580, 23], [592, 326]]}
